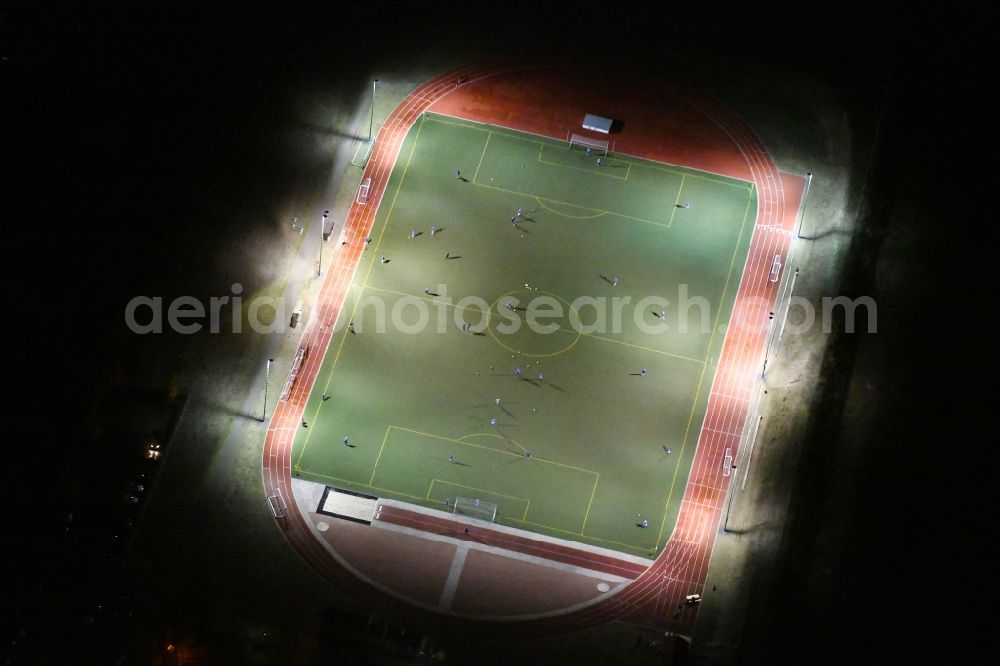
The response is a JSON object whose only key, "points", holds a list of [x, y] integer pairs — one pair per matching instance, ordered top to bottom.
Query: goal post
{"points": [[580, 142], [475, 508]]}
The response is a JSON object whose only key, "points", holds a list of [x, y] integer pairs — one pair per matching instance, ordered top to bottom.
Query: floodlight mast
{"points": [[371, 120], [805, 198], [322, 231], [267, 375]]}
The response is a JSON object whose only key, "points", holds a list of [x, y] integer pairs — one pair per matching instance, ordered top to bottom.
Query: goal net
{"points": [[578, 142], [476, 508]]}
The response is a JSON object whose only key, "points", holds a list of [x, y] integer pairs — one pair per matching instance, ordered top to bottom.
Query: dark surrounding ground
{"points": [[126, 125], [883, 530], [873, 555]]}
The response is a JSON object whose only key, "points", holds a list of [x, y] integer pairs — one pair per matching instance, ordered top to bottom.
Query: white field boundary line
{"points": [[408, 107], [618, 153], [769, 203], [775, 204], [360, 215], [746, 258], [743, 277], [724, 376], [383, 524], [523, 533], [710, 539]]}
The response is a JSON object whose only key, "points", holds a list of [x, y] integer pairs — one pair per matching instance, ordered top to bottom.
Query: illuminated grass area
{"points": [[408, 394]]}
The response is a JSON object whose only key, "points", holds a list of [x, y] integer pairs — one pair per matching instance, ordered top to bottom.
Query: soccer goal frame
{"points": [[586, 142], [475, 508]]}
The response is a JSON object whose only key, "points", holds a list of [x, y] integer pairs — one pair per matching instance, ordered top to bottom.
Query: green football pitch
{"points": [[593, 384]]}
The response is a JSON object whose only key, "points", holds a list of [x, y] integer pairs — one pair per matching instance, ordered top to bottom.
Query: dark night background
{"points": [[122, 124]]}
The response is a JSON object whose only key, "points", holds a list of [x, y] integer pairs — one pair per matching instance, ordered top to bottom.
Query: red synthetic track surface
{"points": [[663, 123], [550, 551]]}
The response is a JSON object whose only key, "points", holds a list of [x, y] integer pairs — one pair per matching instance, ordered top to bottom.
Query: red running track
{"points": [[546, 549], [655, 597]]}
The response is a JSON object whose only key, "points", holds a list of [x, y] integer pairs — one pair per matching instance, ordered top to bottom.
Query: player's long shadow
{"points": [[520, 228], [607, 279], [555, 386], [483, 405], [503, 408]]}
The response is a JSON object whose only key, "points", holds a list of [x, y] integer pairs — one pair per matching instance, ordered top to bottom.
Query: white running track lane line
{"points": [[769, 207], [450, 585]]}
